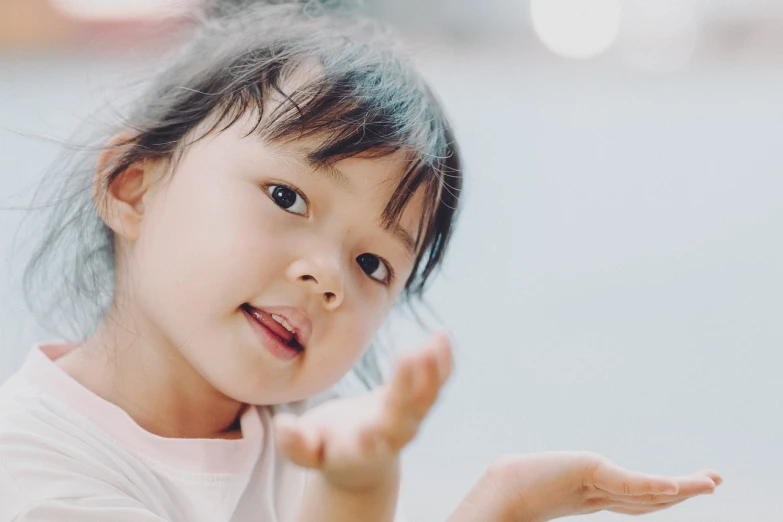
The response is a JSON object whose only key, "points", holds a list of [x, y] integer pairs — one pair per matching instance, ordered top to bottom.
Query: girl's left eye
{"points": [[288, 199], [375, 268]]}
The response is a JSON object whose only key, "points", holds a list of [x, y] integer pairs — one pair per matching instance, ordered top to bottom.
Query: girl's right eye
{"points": [[288, 199]]}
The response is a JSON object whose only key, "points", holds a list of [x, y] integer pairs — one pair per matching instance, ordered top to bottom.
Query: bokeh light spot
{"points": [[576, 28]]}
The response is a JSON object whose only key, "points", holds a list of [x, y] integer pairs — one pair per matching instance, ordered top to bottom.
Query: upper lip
{"points": [[295, 317]]}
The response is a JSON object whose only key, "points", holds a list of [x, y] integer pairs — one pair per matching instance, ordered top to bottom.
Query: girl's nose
{"points": [[320, 276]]}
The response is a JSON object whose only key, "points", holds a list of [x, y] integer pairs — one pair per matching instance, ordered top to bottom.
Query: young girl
{"points": [[277, 189]]}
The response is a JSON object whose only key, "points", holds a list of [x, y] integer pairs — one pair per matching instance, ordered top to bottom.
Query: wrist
{"points": [[378, 479], [494, 498], [328, 500], [515, 502]]}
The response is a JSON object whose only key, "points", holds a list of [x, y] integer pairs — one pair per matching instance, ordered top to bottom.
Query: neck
{"points": [[151, 380]]}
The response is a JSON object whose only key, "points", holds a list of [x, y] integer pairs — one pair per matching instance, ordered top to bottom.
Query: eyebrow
{"points": [[332, 172], [400, 233]]}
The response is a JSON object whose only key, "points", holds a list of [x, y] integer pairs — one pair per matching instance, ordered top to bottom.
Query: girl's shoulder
{"points": [[21, 405], [27, 406], [36, 425], [46, 452]]}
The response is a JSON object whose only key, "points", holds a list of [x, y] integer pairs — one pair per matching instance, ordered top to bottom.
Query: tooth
{"points": [[283, 322]]}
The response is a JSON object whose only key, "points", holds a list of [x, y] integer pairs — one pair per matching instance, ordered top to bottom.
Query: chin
{"points": [[258, 392]]}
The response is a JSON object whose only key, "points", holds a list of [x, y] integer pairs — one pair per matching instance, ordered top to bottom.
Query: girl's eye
{"points": [[287, 199], [375, 268]]}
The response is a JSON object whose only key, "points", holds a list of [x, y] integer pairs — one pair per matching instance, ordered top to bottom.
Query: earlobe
{"points": [[120, 202]]}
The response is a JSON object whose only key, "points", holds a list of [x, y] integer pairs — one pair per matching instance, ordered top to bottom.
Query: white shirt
{"points": [[67, 454]]}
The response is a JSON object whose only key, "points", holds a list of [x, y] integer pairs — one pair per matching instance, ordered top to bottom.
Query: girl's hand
{"points": [[355, 442], [545, 486]]}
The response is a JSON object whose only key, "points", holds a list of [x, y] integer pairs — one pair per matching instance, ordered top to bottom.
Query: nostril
{"points": [[329, 296]]}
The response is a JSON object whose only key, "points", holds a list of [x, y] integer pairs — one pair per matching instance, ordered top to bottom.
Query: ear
{"points": [[121, 203]]}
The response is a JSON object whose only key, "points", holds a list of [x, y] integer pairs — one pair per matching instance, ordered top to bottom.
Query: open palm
{"points": [[356, 441], [544, 486]]}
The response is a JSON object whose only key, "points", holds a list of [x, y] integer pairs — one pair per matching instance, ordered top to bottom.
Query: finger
{"points": [[442, 349], [431, 373], [418, 379], [402, 384], [413, 390], [414, 401], [397, 423], [301, 446], [716, 478], [614, 479], [696, 483], [689, 486], [649, 498], [630, 509]]}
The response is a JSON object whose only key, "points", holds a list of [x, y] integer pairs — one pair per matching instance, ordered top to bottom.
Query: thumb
{"points": [[301, 446]]}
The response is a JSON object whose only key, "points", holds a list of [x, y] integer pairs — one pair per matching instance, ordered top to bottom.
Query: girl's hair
{"points": [[334, 78]]}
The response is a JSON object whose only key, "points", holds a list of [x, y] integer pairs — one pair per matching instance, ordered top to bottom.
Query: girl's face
{"points": [[246, 236]]}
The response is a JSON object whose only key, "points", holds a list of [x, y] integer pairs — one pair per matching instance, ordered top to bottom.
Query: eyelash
{"points": [[292, 189], [389, 269]]}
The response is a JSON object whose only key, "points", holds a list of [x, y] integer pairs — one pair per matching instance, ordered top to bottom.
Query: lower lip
{"points": [[271, 342]]}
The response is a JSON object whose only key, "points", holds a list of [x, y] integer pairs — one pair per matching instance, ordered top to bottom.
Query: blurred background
{"points": [[616, 281]]}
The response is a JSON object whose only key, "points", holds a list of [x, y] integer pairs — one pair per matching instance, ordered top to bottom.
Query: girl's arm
{"points": [[354, 443], [545, 486]]}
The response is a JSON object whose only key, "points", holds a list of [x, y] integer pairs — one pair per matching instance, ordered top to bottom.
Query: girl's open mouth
{"points": [[274, 328]]}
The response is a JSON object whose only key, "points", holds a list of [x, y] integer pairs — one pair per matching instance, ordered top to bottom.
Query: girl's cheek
{"points": [[266, 215], [257, 218], [370, 311]]}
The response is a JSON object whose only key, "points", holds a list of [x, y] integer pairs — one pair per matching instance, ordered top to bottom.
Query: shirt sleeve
{"points": [[38, 483], [105, 504], [16, 506]]}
